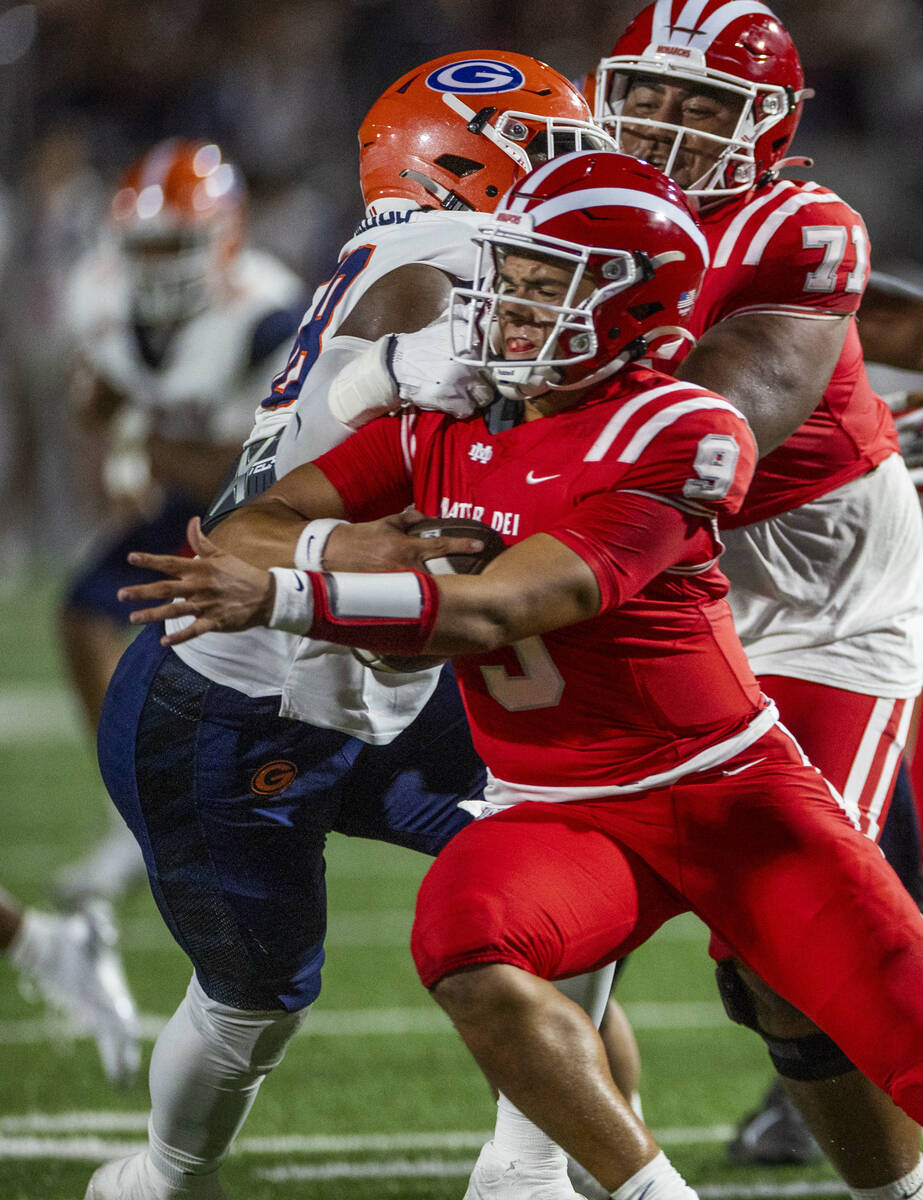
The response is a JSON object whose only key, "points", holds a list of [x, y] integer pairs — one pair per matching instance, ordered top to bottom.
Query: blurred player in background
{"points": [[176, 324], [825, 556], [305, 739], [71, 960]]}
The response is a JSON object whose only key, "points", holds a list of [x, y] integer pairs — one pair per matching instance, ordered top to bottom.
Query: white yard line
{"points": [[377, 1022], [77, 1135], [22, 1138], [436, 1168]]}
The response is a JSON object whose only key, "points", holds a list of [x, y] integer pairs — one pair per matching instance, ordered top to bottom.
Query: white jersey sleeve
{"points": [[321, 684]]}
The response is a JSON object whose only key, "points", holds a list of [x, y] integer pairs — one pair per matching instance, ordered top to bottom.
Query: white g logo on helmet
{"points": [[475, 75]]}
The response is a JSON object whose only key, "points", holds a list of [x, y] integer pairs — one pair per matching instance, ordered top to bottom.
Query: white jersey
{"points": [[212, 371], [831, 591], [323, 684]]}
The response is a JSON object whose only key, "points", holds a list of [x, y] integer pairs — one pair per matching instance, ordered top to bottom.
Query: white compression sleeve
{"points": [[313, 429], [206, 1069]]}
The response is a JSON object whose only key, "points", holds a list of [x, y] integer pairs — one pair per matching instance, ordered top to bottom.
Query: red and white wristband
{"points": [[392, 612]]}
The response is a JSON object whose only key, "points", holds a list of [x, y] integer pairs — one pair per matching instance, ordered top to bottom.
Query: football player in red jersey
{"points": [[824, 555], [636, 769]]}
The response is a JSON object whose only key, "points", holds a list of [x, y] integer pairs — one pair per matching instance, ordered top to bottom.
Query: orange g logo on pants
{"points": [[273, 777]]}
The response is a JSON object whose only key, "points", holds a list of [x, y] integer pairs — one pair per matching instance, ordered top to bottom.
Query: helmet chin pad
{"points": [[526, 381]]}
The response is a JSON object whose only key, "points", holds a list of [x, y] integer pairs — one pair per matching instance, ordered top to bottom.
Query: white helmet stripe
{"points": [[692, 11], [720, 20], [662, 21], [688, 31], [537, 177], [620, 198]]}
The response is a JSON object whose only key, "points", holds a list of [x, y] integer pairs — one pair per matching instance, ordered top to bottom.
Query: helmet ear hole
{"points": [[458, 165], [641, 312]]}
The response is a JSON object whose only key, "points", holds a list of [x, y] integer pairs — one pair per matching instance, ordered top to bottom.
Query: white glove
{"points": [[404, 369], [428, 378]]}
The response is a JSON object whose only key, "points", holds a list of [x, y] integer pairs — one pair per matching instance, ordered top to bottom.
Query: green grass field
{"points": [[377, 1096]]}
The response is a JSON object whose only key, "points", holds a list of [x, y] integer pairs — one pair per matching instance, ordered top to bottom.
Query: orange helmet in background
{"points": [[458, 131], [178, 214]]}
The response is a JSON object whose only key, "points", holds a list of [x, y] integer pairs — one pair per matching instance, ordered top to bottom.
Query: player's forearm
{"points": [[263, 534], [530, 589]]}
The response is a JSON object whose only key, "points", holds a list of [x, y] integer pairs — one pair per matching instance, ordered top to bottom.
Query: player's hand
{"points": [[407, 370], [428, 379], [384, 546], [222, 592]]}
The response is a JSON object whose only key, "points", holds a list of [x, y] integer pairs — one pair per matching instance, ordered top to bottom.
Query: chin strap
{"points": [[773, 173], [447, 199], [632, 352]]}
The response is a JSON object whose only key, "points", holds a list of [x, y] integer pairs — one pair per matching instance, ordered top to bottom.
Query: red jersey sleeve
{"points": [[804, 250], [696, 453], [371, 470], [628, 539]]}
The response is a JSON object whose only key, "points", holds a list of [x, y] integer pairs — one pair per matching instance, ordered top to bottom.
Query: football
{"points": [[450, 564]]}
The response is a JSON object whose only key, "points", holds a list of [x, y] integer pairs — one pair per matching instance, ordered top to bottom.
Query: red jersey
{"points": [[795, 247], [658, 677]]}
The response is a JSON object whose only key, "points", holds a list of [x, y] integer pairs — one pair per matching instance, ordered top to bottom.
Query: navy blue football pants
{"points": [[231, 805]]}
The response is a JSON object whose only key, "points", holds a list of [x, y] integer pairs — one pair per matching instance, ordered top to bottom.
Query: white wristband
{"points": [[312, 542], [293, 606]]}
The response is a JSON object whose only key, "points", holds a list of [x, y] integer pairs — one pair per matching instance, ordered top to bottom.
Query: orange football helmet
{"points": [[458, 131], [178, 215]]}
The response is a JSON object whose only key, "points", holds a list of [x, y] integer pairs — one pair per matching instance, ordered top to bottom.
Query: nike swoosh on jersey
{"points": [[532, 478], [745, 767]]}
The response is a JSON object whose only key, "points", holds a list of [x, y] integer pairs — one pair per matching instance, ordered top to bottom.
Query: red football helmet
{"points": [[737, 50], [459, 130], [178, 214], [609, 220]]}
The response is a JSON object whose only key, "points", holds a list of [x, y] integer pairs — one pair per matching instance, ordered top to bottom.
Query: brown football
{"points": [[450, 564]]}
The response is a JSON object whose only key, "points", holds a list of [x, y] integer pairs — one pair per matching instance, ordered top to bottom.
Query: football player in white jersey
{"points": [[175, 325], [232, 802]]}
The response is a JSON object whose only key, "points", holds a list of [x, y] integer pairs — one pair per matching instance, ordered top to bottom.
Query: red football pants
{"points": [[855, 741], [758, 849]]}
